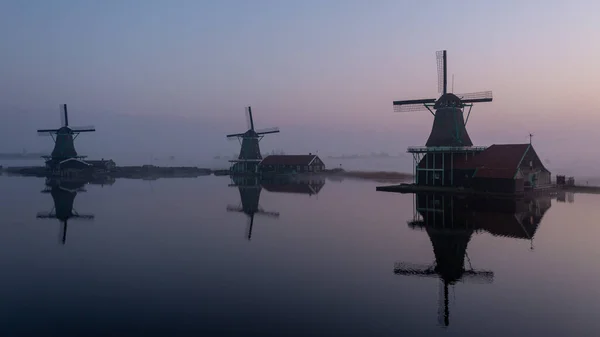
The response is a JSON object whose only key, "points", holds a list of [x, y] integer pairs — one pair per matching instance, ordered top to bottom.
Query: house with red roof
{"points": [[290, 164], [503, 168]]}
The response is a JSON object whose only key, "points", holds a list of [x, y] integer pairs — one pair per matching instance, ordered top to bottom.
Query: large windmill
{"points": [[449, 124], [64, 137], [448, 137], [250, 155], [250, 189], [63, 194]]}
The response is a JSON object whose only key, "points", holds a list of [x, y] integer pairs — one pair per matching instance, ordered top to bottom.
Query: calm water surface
{"points": [[173, 257]]}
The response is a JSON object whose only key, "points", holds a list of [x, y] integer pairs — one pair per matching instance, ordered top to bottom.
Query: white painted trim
{"points": [[70, 159]]}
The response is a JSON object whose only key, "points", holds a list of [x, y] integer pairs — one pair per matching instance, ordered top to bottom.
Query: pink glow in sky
{"points": [[332, 67]]}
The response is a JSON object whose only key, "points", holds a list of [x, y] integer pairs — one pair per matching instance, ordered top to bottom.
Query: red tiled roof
{"points": [[498, 156], [298, 160]]}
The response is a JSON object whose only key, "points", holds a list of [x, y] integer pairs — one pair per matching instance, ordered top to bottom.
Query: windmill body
{"points": [[448, 140], [250, 155], [64, 156]]}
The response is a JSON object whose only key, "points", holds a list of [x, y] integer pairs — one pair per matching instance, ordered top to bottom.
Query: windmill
{"points": [[449, 124], [64, 137], [250, 155], [434, 163], [250, 190], [63, 193]]}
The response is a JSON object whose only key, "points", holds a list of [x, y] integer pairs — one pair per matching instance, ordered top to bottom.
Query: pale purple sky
{"points": [[326, 72]]}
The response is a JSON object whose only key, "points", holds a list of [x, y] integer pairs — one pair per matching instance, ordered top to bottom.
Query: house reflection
{"points": [[250, 188], [63, 192], [450, 222]]}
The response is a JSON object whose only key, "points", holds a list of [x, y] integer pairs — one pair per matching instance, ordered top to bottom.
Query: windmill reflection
{"points": [[250, 188], [63, 192], [451, 221]]}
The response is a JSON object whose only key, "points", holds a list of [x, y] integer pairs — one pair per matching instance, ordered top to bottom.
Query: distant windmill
{"points": [[449, 124], [64, 147], [250, 155], [63, 194], [250, 195]]}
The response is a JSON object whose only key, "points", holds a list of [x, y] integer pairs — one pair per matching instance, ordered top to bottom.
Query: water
{"points": [[172, 258]]}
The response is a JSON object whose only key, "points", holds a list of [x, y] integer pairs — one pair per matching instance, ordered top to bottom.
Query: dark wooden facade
{"points": [[291, 164]]}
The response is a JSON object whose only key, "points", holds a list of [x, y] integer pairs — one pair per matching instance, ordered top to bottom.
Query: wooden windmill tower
{"points": [[64, 137], [448, 137], [250, 155], [249, 188], [63, 194]]}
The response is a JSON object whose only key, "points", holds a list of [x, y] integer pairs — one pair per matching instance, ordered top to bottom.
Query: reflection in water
{"points": [[250, 188], [63, 192], [564, 196], [450, 221]]}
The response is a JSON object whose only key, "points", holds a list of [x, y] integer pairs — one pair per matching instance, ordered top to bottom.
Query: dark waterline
{"points": [[167, 258]]}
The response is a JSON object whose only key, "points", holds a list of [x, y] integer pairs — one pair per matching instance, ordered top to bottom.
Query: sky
{"points": [[175, 76]]}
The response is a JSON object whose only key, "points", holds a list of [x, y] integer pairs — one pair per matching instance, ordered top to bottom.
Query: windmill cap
{"points": [[446, 100]]}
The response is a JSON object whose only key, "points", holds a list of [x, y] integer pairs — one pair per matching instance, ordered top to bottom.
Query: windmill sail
{"points": [[442, 74], [476, 97], [64, 117], [88, 128], [267, 131]]}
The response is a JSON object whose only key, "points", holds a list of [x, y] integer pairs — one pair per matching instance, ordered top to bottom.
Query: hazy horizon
{"points": [[174, 78]]}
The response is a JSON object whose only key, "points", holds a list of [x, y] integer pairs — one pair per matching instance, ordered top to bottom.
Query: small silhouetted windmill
{"points": [[449, 124], [64, 147], [250, 154], [63, 194], [250, 195]]}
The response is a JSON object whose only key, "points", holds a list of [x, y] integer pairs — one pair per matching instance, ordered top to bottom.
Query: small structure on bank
{"points": [[250, 155], [64, 158], [291, 164], [503, 168]]}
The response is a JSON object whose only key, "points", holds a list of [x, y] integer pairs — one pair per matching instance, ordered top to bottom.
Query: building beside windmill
{"points": [[449, 158], [290, 164]]}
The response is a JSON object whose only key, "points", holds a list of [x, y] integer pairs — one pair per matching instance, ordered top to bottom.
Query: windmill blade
{"points": [[441, 70], [476, 97], [412, 104], [410, 108], [64, 117], [249, 121], [89, 128], [267, 131], [46, 132], [235, 135]]}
